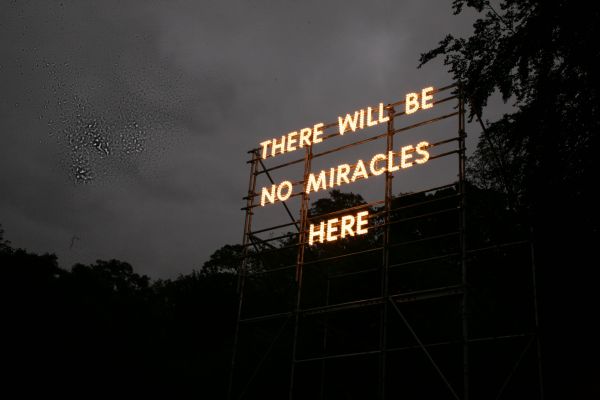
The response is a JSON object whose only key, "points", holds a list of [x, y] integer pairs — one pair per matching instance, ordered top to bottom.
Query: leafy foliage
{"points": [[544, 57], [112, 329]]}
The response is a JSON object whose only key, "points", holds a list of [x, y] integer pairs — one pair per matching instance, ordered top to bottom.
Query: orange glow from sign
{"points": [[425, 97], [412, 103], [360, 119], [382, 119], [370, 121], [347, 122], [317, 131], [305, 134], [306, 137], [291, 141], [264, 146], [278, 147], [422, 150], [405, 155], [373, 164], [391, 167], [359, 171], [345, 173], [342, 174], [316, 183], [287, 185], [276, 193], [267, 195], [362, 219], [347, 224], [335, 228], [332, 229], [319, 233]]}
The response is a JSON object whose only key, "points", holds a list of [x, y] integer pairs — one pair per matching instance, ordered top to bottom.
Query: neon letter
{"points": [[426, 96], [412, 103], [381, 117], [370, 121], [347, 122], [361, 123], [305, 137], [291, 141], [264, 145], [278, 147], [422, 150], [405, 155], [373, 164], [391, 167], [359, 170], [342, 174], [331, 176], [315, 184], [282, 185], [266, 195], [360, 222], [347, 224], [331, 229], [320, 233]]}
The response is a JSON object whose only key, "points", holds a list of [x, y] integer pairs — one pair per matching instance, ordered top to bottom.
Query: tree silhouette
{"points": [[543, 57], [105, 327]]}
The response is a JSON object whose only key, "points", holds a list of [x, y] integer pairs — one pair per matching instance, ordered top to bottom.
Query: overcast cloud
{"points": [[125, 124]]}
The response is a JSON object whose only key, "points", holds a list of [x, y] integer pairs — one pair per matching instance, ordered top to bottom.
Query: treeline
{"points": [[424, 257], [104, 329]]}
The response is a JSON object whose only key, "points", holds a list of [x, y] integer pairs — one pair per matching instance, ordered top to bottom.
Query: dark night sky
{"points": [[126, 123]]}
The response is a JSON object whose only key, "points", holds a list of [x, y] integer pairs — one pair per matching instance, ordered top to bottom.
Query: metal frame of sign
{"points": [[257, 244]]}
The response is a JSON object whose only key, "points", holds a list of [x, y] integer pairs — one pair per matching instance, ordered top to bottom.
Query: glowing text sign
{"points": [[342, 174], [335, 228]]}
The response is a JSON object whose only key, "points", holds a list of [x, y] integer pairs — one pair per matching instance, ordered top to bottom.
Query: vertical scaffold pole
{"points": [[463, 240], [385, 261], [300, 264], [243, 266], [536, 315], [325, 333]]}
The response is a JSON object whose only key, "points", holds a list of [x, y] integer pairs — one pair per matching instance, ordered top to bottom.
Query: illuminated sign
{"points": [[292, 141], [392, 161], [335, 228]]}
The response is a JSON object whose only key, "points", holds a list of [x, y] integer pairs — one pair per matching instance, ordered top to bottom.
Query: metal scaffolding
{"points": [[381, 264]]}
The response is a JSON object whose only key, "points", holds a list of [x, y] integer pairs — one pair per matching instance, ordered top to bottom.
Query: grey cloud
{"points": [[158, 102]]}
